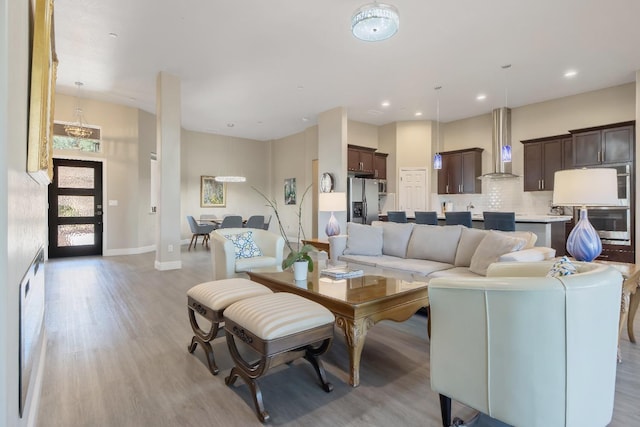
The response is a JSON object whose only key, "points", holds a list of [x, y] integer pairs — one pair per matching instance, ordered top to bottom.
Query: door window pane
{"points": [[75, 177], [74, 206], [76, 235]]}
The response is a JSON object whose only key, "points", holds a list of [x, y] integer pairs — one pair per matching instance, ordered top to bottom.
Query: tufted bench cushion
{"points": [[278, 315]]}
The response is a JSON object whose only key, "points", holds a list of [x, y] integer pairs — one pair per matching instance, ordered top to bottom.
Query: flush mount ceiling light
{"points": [[375, 22], [230, 178]]}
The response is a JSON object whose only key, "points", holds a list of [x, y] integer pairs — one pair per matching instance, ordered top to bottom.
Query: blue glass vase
{"points": [[584, 242]]}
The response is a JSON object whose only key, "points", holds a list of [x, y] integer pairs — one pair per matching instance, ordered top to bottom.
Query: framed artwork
{"points": [[42, 97], [290, 191], [213, 194]]}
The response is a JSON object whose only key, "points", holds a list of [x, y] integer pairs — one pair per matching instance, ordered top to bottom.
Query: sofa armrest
{"points": [[337, 245], [537, 253]]}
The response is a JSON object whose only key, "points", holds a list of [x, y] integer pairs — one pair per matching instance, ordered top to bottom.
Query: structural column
{"points": [[168, 149], [637, 162]]}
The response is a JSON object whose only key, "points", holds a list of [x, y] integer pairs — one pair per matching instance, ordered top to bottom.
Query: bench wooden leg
{"points": [[204, 339], [311, 354]]}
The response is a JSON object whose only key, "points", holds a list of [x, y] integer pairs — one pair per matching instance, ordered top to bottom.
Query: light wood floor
{"points": [[117, 356]]}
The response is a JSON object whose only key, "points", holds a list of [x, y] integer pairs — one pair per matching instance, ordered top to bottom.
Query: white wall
{"points": [[362, 134], [22, 203]]}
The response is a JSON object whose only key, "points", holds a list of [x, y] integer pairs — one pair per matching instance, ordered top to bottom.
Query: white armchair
{"points": [[223, 253], [526, 349]]}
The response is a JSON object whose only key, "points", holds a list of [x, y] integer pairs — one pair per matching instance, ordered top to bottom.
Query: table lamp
{"points": [[585, 187], [332, 202]]}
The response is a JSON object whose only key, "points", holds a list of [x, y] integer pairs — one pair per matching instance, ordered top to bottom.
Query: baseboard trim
{"points": [[136, 251], [34, 405]]}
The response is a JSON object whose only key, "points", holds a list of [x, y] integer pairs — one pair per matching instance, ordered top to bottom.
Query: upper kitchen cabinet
{"points": [[603, 144], [542, 158], [361, 160], [380, 165], [460, 170]]}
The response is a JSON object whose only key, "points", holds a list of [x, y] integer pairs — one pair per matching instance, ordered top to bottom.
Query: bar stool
{"points": [[461, 217], [503, 221]]}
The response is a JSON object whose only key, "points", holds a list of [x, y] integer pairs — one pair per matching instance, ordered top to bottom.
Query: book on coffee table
{"points": [[341, 272]]}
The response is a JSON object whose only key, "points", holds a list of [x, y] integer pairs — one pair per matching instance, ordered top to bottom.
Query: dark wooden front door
{"points": [[75, 208]]}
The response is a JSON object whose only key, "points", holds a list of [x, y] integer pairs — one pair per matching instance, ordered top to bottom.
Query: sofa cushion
{"points": [[529, 236], [395, 238], [470, 238], [363, 240], [434, 242], [244, 245], [491, 248], [360, 259], [420, 267], [455, 271]]}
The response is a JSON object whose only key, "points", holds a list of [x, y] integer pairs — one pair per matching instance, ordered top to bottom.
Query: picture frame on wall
{"points": [[44, 65], [290, 191], [213, 194]]}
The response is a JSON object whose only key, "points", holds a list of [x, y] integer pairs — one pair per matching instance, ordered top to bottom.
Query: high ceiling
{"points": [[264, 70]]}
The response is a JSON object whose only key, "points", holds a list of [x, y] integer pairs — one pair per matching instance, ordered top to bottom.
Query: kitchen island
{"points": [[550, 229]]}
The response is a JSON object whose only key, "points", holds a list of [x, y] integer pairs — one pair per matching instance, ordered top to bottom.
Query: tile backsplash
{"points": [[498, 195]]}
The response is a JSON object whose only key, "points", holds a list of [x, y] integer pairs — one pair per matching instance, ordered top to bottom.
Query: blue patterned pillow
{"points": [[244, 245], [562, 267]]}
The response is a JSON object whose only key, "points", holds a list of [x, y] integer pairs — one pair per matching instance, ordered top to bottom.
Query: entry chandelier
{"points": [[374, 22], [78, 129]]}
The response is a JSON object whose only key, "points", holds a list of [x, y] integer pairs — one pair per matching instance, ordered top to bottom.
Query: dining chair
{"points": [[397, 216], [427, 217], [460, 217], [231, 221], [255, 221], [267, 221], [504, 221], [199, 230]]}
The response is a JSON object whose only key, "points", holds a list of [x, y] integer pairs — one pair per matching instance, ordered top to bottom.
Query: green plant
{"points": [[299, 253]]}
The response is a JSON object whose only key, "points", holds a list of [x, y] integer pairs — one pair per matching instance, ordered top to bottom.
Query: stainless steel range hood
{"points": [[501, 138]]}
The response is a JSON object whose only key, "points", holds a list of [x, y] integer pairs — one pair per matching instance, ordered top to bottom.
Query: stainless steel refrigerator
{"points": [[362, 200]]}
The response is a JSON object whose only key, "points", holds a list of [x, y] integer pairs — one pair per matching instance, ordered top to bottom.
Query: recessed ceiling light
{"points": [[113, 35], [570, 73], [299, 87], [481, 97], [385, 103], [418, 113], [305, 119], [260, 122], [230, 125]]}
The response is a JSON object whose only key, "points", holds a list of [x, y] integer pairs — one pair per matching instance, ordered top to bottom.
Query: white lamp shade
{"points": [[585, 187], [332, 202]]}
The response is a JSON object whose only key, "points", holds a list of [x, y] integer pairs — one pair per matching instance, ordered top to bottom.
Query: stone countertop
{"points": [[534, 218]]}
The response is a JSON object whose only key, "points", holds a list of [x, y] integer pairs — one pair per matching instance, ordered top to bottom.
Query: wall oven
{"points": [[613, 223]]}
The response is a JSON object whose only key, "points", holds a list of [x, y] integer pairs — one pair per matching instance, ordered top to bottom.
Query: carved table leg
{"points": [[355, 332]]}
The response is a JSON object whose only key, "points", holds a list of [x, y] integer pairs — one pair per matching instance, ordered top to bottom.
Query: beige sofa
{"points": [[431, 250]]}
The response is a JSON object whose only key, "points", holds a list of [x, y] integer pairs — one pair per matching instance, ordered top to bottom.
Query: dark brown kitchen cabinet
{"points": [[603, 145], [542, 158], [360, 159], [380, 165], [460, 170]]}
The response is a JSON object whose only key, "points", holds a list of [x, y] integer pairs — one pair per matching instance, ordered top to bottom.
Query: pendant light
{"points": [[505, 152], [437, 158]]}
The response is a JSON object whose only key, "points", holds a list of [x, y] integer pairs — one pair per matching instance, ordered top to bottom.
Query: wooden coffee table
{"points": [[358, 303]]}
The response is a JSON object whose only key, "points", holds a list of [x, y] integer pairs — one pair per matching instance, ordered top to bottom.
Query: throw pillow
{"points": [[529, 236], [395, 238], [470, 238], [363, 240], [434, 242], [244, 245], [491, 248], [562, 267]]}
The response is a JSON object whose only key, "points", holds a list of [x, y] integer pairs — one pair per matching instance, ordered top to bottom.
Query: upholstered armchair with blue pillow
{"points": [[238, 250], [530, 344]]}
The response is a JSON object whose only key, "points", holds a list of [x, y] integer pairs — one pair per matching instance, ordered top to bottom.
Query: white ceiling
{"points": [[267, 66]]}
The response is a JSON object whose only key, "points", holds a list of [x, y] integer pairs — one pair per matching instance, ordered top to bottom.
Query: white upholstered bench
{"points": [[209, 300], [280, 327]]}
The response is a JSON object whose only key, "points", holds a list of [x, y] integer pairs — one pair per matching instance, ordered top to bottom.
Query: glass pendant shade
{"points": [[375, 22], [506, 153], [437, 161]]}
